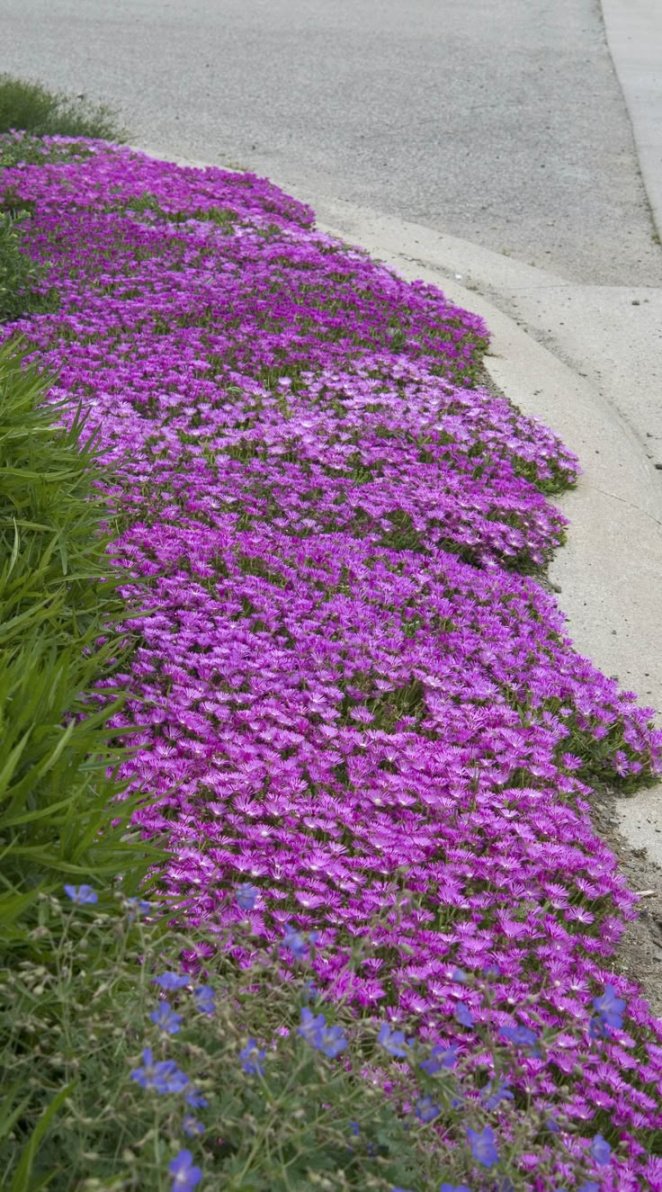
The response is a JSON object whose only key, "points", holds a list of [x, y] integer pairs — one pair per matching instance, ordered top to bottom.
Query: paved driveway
{"points": [[500, 121]]}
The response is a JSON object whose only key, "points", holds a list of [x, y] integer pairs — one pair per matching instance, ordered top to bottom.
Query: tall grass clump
{"points": [[33, 108], [59, 613]]}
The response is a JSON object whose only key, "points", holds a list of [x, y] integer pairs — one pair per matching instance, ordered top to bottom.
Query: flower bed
{"points": [[351, 690]]}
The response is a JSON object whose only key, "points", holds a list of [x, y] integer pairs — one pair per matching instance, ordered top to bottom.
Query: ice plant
{"points": [[350, 691]]}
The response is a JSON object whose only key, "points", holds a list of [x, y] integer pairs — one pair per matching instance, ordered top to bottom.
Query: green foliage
{"points": [[34, 109], [19, 277], [59, 636], [279, 1113]]}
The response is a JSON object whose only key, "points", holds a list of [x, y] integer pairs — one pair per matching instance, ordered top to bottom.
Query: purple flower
{"points": [[81, 895], [170, 981], [166, 1019], [393, 1041], [252, 1058], [195, 1099], [483, 1146], [601, 1151], [184, 1174], [454, 1188]]}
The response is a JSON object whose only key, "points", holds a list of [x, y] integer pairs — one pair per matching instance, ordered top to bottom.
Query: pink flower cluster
{"points": [[349, 687]]}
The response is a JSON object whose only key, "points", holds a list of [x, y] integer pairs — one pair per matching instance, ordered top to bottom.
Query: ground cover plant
{"points": [[350, 690]]}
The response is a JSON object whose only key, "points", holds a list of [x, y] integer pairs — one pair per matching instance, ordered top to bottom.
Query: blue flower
{"points": [[81, 894], [246, 896], [136, 907], [295, 942], [459, 975], [170, 981], [204, 999], [609, 1008], [463, 1014], [166, 1019], [521, 1036], [330, 1040], [393, 1041], [440, 1057], [252, 1058], [163, 1076], [492, 1097], [195, 1099], [426, 1109], [191, 1126], [354, 1129], [483, 1146], [601, 1150], [184, 1174], [589, 1186], [454, 1188]]}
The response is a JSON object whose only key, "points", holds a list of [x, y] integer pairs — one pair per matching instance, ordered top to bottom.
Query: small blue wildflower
{"points": [[81, 894], [246, 896], [136, 907], [295, 942], [460, 975], [170, 981], [310, 991], [204, 999], [609, 1008], [463, 1015], [166, 1019], [310, 1024], [521, 1036], [330, 1040], [393, 1041], [440, 1057], [252, 1058], [162, 1076], [492, 1097], [195, 1099], [426, 1109], [191, 1126], [552, 1126], [354, 1129], [483, 1146], [601, 1150], [184, 1174], [589, 1186], [454, 1188]]}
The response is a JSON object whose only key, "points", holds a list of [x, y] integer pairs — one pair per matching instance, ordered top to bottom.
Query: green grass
{"points": [[35, 109], [57, 601]]}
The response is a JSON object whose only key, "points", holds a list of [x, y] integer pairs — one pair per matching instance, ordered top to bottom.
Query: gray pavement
{"points": [[498, 121], [491, 148]]}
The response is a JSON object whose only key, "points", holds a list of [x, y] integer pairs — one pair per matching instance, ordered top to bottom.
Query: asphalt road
{"points": [[499, 121]]}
